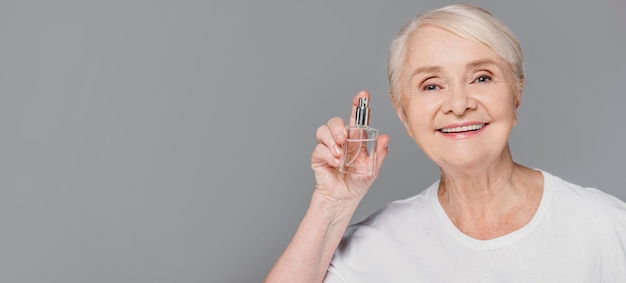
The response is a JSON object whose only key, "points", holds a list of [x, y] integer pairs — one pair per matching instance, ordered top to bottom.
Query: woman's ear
{"points": [[518, 93], [518, 98], [402, 117]]}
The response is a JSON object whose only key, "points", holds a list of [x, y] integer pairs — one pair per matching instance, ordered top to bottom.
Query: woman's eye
{"points": [[482, 79], [430, 87]]}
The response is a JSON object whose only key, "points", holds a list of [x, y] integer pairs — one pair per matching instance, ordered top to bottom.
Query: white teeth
{"points": [[463, 128]]}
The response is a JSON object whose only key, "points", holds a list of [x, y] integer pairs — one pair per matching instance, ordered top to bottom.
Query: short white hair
{"points": [[466, 21]]}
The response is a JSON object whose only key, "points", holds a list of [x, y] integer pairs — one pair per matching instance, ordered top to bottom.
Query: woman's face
{"points": [[458, 99]]}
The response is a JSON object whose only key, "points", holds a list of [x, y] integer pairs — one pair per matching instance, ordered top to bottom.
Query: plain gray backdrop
{"points": [[169, 141]]}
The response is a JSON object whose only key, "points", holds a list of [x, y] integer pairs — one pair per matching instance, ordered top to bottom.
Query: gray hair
{"points": [[466, 21]]}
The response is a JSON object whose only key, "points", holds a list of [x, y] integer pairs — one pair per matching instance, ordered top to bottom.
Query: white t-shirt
{"points": [[577, 235]]}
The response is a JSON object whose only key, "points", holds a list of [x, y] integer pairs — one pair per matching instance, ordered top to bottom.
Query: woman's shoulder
{"points": [[584, 195], [590, 202], [403, 210], [388, 232]]}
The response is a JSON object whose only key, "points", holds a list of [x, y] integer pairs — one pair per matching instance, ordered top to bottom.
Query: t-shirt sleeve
{"points": [[333, 276]]}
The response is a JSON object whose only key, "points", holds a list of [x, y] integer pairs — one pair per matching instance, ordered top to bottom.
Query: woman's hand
{"points": [[331, 185], [334, 201]]}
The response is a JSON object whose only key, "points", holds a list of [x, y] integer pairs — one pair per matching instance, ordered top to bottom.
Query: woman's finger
{"points": [[337, 128], [326, 138], [382, 148], [323, 156]]}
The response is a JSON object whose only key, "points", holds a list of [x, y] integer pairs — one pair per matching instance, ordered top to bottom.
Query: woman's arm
{"points": [[334, 201], [308, 255]]}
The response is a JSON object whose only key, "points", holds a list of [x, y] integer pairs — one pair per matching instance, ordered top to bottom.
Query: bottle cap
{"points": [[362, 116]]}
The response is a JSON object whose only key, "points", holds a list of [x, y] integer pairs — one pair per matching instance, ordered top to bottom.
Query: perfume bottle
{"points": [[359, 150]]}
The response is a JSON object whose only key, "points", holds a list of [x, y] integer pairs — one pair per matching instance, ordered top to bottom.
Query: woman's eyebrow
{"points": [[482, 62], [426, 69]]}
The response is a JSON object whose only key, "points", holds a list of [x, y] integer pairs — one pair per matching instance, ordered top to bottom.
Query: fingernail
{"points": [[342, 135], [337, 149]]}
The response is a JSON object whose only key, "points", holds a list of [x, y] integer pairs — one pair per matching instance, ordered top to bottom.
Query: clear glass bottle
{"points": [[359, 150]]}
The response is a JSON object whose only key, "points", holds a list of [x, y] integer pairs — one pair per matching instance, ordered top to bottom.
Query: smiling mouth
{"points": [[461, 129]]}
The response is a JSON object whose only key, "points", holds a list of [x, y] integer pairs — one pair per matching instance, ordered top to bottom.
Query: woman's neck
{"points": [[492, 201]]}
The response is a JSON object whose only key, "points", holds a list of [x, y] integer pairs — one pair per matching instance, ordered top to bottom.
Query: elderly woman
{"points": [[456, 82]]}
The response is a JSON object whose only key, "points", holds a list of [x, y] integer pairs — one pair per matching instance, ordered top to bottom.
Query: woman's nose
{"points": [[458, 101]]}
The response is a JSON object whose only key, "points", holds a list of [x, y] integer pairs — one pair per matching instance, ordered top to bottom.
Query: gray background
{"points": [[169, 141]]}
